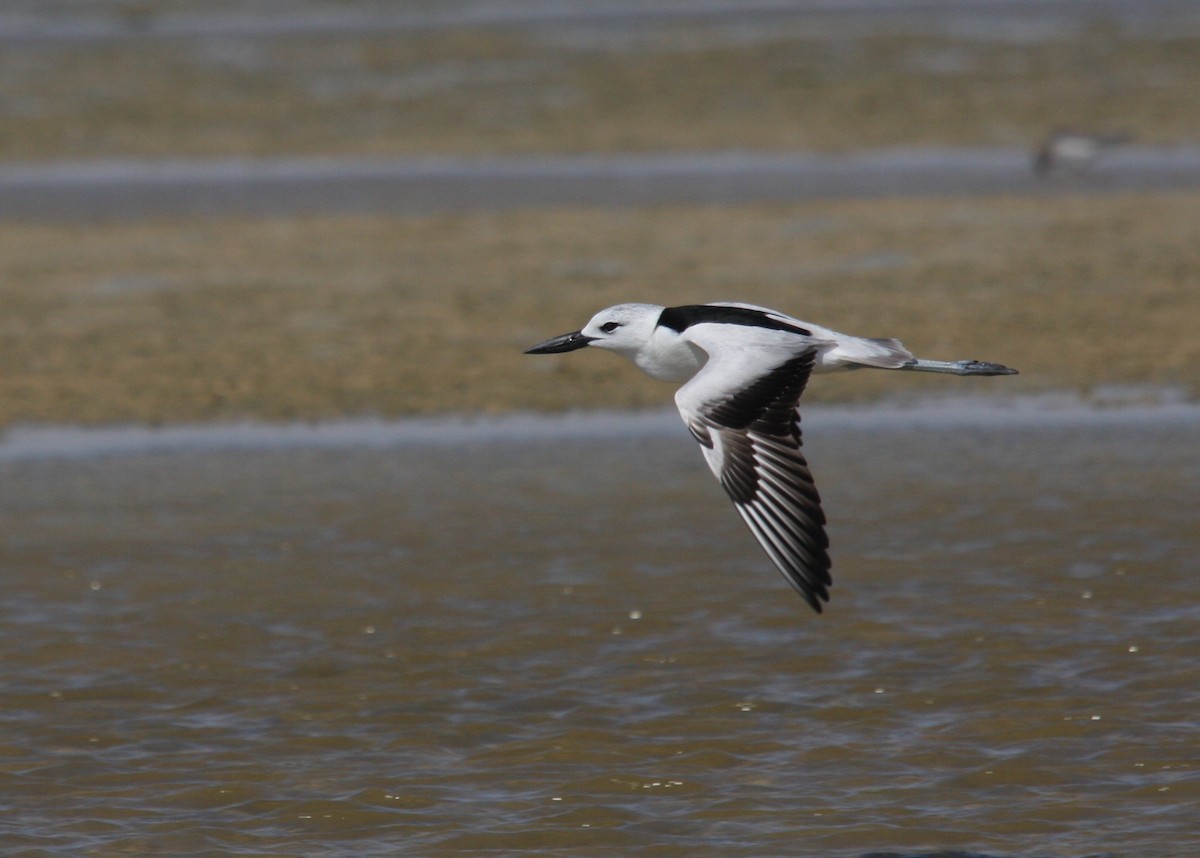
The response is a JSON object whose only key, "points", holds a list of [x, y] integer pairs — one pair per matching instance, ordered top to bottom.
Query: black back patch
{"points": [[681, 318]]}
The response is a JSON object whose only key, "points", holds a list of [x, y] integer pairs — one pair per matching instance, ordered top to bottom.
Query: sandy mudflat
{"points": [[296, 81], [321, 311], [170, 321]]}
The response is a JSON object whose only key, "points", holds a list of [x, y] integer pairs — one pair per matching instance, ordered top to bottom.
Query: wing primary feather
{"points": [[700, 432], [791, 472], [737, 473], [804, 527], [806, 553], [792, 561], [812, 590]]}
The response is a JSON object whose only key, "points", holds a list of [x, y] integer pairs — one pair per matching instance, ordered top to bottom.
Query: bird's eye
{"points": [[609, 327]]}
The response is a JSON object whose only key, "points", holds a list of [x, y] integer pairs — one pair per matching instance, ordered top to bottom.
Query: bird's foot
{"points": [[979, 367]]}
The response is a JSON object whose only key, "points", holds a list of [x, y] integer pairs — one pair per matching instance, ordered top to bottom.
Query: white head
{"points": [[625, 329], [632, 330]]}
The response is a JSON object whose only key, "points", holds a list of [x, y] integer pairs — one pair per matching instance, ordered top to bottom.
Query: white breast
{"points": [[669, 357]]}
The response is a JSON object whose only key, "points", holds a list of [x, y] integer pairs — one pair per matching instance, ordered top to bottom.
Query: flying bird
{"points": [[1073, 151], [745, 368]]}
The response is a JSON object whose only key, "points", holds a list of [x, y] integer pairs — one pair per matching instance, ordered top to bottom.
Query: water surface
{"points": [[124, 189], [568, 644]]}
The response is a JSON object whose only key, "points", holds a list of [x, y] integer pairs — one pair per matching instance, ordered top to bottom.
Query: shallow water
{"points": [[89, 20], [139, 189], [569, 645]]}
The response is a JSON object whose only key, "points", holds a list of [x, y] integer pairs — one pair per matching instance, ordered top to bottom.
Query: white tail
{"points": [[854, 352]]}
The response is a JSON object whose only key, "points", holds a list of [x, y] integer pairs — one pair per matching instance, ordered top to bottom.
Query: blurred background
{"points": [[287, 209]]}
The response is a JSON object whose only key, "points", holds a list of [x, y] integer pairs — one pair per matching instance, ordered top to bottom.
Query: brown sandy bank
{"points": [[788, 85], [334, 316]]}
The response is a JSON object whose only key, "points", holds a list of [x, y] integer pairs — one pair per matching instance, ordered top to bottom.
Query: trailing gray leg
{"points": [[958, 367]]}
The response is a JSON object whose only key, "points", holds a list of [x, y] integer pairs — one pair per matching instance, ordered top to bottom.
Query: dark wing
{"points": [[750, 435]]}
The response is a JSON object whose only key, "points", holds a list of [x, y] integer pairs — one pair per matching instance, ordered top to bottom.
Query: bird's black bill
{"points": [[565, 343]]}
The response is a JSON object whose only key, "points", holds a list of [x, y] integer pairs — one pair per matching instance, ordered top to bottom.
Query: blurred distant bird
{"points": [[1072, 150], [746, 368]]}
